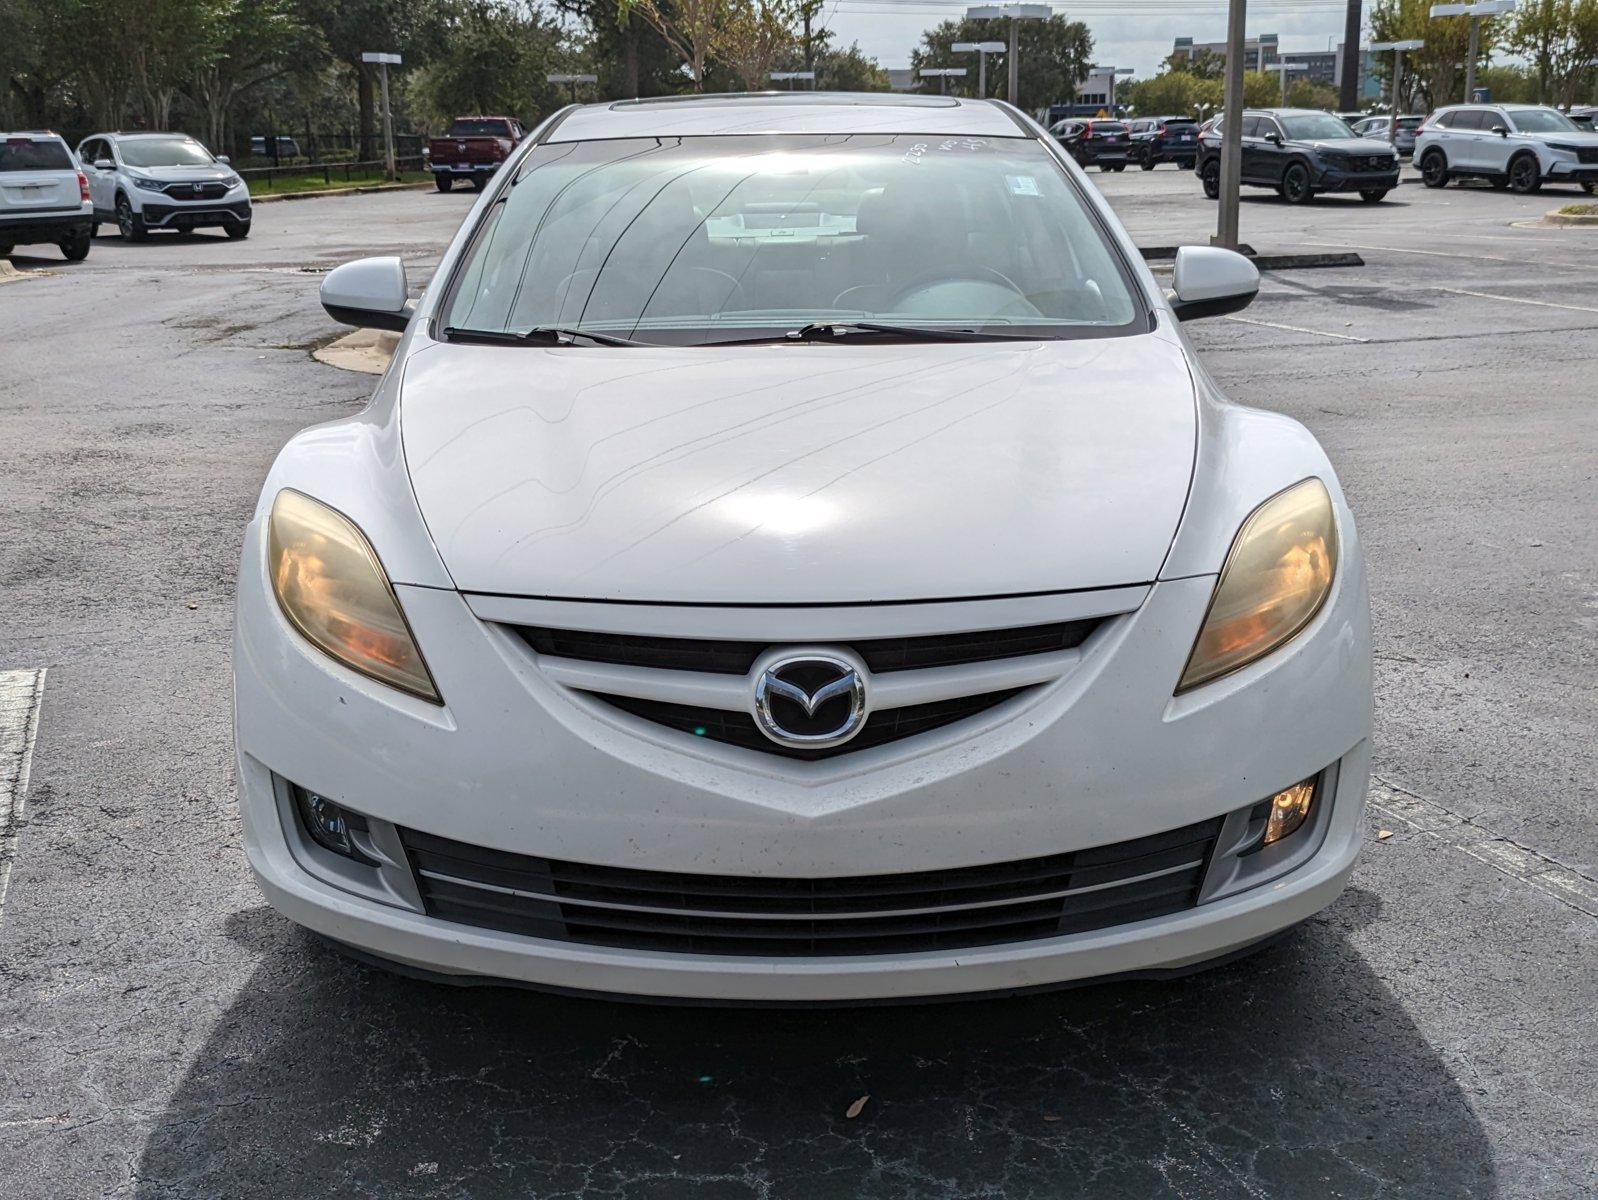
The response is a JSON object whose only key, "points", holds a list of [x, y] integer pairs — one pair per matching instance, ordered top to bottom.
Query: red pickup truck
{"points": [[472, 149]]}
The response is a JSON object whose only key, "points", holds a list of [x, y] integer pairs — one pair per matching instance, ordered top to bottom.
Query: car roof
{"points": [[788, 112]]}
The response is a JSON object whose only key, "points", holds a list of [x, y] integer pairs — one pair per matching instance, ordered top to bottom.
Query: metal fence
{"points": [[286, 150], [329, 171]]}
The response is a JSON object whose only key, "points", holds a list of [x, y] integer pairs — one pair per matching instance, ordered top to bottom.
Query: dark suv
{"points": [[1164, 139], [1104, 144], [1302, 153]]}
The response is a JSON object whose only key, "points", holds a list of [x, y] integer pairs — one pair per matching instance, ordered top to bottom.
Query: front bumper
{"points": [[1570, 172], [1335, 179], [195, 214], [49, 228], [517, 763]]}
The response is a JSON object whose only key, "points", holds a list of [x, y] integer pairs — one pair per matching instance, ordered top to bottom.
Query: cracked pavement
{"points": [[164, 1034]]}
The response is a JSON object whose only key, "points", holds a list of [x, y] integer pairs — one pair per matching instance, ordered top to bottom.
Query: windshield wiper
{"points": [[835, 331], [543, 335]]}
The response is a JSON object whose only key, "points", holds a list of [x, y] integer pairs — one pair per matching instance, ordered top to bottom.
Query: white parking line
{"points": [[1407, 250], [1519, 300], [1342, 337], [20, 694], [1529, 866]]}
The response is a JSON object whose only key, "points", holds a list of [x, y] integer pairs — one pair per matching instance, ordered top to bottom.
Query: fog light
{"points": [[1289, 809], [330, 826]]}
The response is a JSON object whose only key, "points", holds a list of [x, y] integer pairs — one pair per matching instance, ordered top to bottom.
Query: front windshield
{"points": [[1542, 120], [1314, 127], [165, 152], [697, 240]]}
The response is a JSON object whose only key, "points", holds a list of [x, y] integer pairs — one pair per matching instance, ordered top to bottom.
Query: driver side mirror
{"points": [[1500, 131], [1274, 138], [222, 158], [104, 164], [1210, 282], [368, 293]]}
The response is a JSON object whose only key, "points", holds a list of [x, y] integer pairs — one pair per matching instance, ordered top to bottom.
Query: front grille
{"points": [[1587, 154], [1371, 162], [195, 191], [880, 654], [739, 729], [865, 914]]}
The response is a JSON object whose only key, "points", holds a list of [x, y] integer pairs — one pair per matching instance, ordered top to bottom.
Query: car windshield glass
{"points": [[1542, 120], [1409, 122], [1108, 127], [1310, 127], [478, 129], [165, 152], [25, 154], [700, 240]]}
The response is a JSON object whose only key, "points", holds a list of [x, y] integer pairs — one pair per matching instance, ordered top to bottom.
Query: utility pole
{"points": [[1476, 11], [1015, 14], [1398, 49], [981, 50], [383, 60], [1348, 85], [1231, 128]]}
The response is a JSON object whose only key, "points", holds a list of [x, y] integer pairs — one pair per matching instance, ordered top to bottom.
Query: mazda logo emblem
{"points": [[810, 699]]}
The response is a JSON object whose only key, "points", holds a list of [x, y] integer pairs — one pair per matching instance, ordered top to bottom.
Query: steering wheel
{"points": [[965, 273]]}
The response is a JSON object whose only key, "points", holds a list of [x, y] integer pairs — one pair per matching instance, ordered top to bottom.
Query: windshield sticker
{"points": [[1023, 185]]}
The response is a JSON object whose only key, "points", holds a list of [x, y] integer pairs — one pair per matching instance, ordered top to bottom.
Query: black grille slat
{"points": [[880, 654], [988, 904]]}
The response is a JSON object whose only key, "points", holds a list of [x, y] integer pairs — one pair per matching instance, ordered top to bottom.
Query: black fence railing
{"points": [[287, 150], [368, 169]]}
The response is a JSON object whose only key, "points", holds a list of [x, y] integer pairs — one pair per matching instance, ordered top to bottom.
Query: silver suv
{"points": [[1514, 146], [146, 181], [43, 195]]}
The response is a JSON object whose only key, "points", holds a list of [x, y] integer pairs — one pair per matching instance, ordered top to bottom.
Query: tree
{"points": [[690, 27], [412, 28], [753, 36], [1560, 40], [257, 41], [521, 41], [1055, 53], [630, 58], [1201, 64], [1436, 73], [1174, 93], [1306, 93]]}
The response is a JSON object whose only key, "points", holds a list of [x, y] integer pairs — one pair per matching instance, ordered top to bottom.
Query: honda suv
{"points": [[1164, 139], [1104, 144], [1514, 146], [1302, 153], [146, 181], [43, 196]]}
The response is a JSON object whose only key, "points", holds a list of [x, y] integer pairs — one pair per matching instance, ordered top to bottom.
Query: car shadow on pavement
{"points": [[1293, 1073]]}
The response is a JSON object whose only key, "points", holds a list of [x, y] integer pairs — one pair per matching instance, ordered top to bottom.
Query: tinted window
{"points": [[1466, 119], [1541, 120], [1174, 122], [1251, 126], [1314, 126], [1101, 128], [479, 129], [91, 151], [164, 152], [25, 154], [692, 240]]}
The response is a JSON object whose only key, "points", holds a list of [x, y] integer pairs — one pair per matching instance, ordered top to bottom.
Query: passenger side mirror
{"points": [[104, 164], [1211, 282], [368, 293]]}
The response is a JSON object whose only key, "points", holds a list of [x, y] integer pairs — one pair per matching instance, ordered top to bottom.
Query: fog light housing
{"points": [[1287, 811], [332, 826]]}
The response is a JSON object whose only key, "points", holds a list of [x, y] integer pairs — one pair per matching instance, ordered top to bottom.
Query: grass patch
{"points": [[316, 181], [1579, 210]]}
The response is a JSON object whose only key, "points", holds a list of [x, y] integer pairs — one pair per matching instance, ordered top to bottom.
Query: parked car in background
{"points": [[1583, 117], [1379, 128], [1164, 139], [1103, 144], [261, 146], [1514, 146], [472, 150], [1302, 153], [147, 181], [44, 197]]}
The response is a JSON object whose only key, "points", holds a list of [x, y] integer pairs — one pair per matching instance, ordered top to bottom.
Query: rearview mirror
{"points": [[1211, 282], [368, 293]]}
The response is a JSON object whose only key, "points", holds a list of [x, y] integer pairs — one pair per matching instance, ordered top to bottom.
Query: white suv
{"points": [[1515, 146], [146, 181], [43, 196]]}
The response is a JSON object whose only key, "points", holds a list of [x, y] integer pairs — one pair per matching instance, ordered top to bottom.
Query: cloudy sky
{"points": [[1128, 34]]}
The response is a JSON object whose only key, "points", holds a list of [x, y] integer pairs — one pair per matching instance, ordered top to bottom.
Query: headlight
{"points": [[1564, 149], [231, 181], [149, 185], [1277, 575], [333, 589]]}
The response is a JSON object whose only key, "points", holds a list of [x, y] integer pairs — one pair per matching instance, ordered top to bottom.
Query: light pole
{"points": [[1475, 11], [1015, 14], [1398, 49], [981, 50], [383, 60], [1284, 69], [1112, 72], [943, 74], [790, 76], [574, 80], [1231, 129]]}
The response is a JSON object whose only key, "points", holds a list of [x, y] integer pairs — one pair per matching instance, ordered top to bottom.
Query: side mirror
{"points": [[1500, 131], [1274, 138], [222, 158], [104, 164], [1210, 282], [368, 293]]}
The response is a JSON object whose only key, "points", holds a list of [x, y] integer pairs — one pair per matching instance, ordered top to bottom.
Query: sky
{"points": [[1123, 36]]}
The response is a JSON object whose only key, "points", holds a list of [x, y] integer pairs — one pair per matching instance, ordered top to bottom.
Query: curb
{"points": [[359, 190], [1558, 218], [1269, 262]]}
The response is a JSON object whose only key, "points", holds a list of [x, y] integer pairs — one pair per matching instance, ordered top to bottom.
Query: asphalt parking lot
{"points": [[164, 1034]]}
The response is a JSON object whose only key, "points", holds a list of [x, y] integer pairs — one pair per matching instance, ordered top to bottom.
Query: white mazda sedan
{"points": [[796, 556]]}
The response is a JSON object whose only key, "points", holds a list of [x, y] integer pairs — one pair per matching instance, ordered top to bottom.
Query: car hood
{"points": [[1581, 138], [1356, 145], [183, 174], [800, 473]]}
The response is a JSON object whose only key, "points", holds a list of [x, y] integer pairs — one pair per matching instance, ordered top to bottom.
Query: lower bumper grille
{"points": [[870, 914]]}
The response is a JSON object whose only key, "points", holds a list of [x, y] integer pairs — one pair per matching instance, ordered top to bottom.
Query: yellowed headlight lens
{"points": [[1276, 578], [333, 589]]}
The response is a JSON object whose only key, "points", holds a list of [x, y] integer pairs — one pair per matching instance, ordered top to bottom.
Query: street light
{"points": [[1475, 11], [1014, 13], [1398, 49], [981, 50], [373, 56], [1284, 69], [1112, 72], [943, 74], [790, 76], [574, 80]]}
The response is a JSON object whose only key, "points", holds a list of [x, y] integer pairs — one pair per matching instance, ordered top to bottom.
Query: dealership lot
{"points": [[164, 1034]]}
